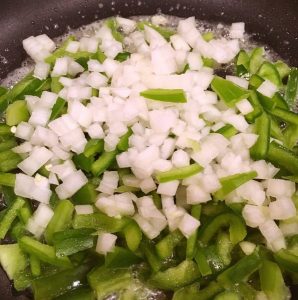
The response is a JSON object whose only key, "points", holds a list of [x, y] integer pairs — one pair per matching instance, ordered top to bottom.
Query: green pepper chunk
{"points": [[113, 25], [163, 31], [208, 36], [123, 56], [256, 60], [242, 63], [282, 68], [268, 71], [255, 81], [56, 86], [292, 87], [228, 91], [165, 95], [58, 108], [17, 112], [285, 115], [262, 128], [227, 131], [291, 136], [123, 143], [8, 144], [93, 147], [282, 157], [82, 162], [103, 162], [179, 173], [7, 179], [232, 182], [85, 195], [10, 216], [61, 219], [99, 221], [237, 228], [133, 235], [71, 241], [191, 244], [166, 246], [224, 247], [43, 252], [121, 258], [12, 259], [153, 260], [287, 260], [202, 262], [35, 265], [240, 271], [174, 278], [107, 281], [272, 282], [54, 285], [190, 292], [81, 293], [227, 295]]}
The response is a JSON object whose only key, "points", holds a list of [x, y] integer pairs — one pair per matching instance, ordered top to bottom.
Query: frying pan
{"points": [[272, 22]]}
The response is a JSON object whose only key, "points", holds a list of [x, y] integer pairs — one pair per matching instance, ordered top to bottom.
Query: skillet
{"points": [[272, 22]]}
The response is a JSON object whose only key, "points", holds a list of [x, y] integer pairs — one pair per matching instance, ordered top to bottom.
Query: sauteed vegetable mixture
{"points": [[132, 168]]}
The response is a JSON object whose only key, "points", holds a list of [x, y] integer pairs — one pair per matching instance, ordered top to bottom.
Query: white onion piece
{"points": [[71, 184], [84, 209], [105, 243]]}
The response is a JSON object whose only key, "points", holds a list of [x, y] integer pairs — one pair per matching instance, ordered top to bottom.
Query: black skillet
{"points": [[272, 22]]}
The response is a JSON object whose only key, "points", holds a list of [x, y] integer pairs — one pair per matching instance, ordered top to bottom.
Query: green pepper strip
{"points": [[113, 25], [165, 32], [256, 60], [282, 68], [268, 71], [255, 81], [56, 86], [292, 87], [228, 91], [165, 95], [254, 101], [58, 108], [17, 112], [285, 115], [262, 128], [275, 130], [227, 131], [291, 136], [123, 143], [8, 144], [93, 147], [282, 157], [82, 162], [103, 162], [179, 173], [7, 179], [232, 182], [86, 195], [9, 216], [61, 219], [99, 221], [237, 228], [133, 235], [70, 241], [191, 244], [165, 247], [224, 247], [149, 251], [43, 252], [121, 258], [287, 260], [202, 262], [35, 265], [241, 270], [174, 278], [106, 281], [272, 282], [52, 286]]}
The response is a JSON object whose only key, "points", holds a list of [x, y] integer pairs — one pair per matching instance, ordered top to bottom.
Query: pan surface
{"points": [[272, 22]]}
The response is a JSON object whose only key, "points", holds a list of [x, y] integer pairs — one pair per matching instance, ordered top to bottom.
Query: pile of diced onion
{"points": [[165, 135]]}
